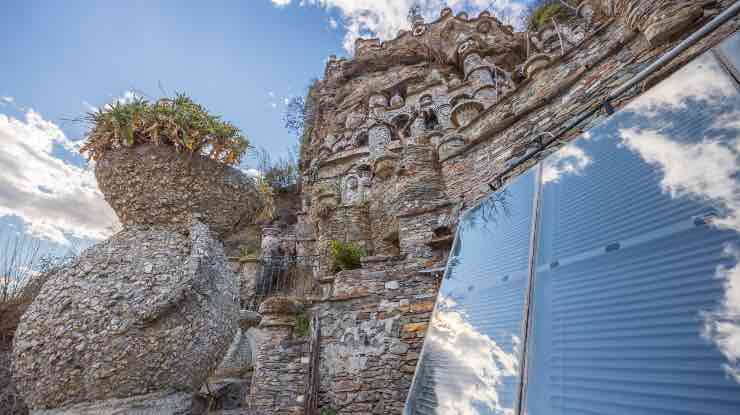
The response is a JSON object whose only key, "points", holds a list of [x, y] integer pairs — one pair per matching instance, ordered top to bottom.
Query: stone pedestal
{"points": [[281, 360]]}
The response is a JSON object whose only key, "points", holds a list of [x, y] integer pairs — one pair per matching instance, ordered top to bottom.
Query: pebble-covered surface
{"points": [[150, 184], [147, 310]]}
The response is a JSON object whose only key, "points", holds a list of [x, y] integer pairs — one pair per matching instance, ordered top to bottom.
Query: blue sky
{"points": [[241, 59]]}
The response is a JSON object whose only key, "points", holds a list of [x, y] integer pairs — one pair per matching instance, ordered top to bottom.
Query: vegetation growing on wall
{"points": [[541, 12], [178, 122], [345, 255], [302, 324]]}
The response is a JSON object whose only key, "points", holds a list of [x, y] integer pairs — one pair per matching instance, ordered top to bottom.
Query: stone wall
{"points": [[440, 117], [372, 327], [281, 360]]}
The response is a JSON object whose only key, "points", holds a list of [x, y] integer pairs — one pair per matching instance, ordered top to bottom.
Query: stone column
{"points": [[280, 360]]}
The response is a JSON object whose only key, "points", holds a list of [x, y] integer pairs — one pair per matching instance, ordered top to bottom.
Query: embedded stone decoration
{"points": [[535, 63], [378, 100], [397, 100], [465, 112], [355, 119], [379, 135], [449, 146], [385, 166], [149, 184], [352, 192], [145, 311]]}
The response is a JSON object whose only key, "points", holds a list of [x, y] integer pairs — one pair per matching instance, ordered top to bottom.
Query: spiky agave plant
{"points": [[179, 122]]}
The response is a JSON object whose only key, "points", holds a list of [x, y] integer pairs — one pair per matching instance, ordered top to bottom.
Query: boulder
{"points": [[154, 185], [149, 310], [158, 403]]}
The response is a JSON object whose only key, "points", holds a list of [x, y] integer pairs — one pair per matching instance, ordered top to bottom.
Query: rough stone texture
{"points": [[659, 20], [440, 117], [403, 137], [150, 184], [248, 281], [147, 310], [368, 352], [238, 360], [281, 360], [11, 402], [158, 403]]}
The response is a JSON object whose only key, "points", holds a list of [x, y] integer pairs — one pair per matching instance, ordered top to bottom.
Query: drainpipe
{"points": [[713, 24]]}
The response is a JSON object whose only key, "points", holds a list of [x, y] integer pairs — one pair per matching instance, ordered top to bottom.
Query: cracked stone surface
{"points": [[150, 184], [148, 310]]}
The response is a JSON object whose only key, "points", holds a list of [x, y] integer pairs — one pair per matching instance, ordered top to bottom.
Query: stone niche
{"points": [[379, 136]]}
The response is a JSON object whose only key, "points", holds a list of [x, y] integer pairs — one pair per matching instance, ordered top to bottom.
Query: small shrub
{"points": [[542, 12], [178, 122], [269, 210], [345, 255], [302, 325], [327, 411]]}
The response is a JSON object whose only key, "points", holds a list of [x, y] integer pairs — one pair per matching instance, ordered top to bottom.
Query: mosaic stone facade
{"points": [[410, 132], [402, 138]]}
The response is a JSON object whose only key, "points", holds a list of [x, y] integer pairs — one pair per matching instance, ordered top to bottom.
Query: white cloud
{"points": [[384, 18], [333, 23], [704, 81], [271, 94], [7, 99], [273, 104], [89, 107], [569, 160], [707, 170], [251, 172], [710, 177], [53, 197], [476, 356]]}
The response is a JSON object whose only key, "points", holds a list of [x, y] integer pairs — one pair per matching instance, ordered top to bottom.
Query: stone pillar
{"points": [[378, 135], [419, 180], [280, 360]]}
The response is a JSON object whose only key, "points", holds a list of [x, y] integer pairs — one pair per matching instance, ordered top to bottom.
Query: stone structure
{"points": [[410, 132], [401, 139], [150, 184], [142, 312], [138, 322], [281, 360]]}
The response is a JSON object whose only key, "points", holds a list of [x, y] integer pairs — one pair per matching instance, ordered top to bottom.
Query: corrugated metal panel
{"points": [[628, 266], [471, 354]]}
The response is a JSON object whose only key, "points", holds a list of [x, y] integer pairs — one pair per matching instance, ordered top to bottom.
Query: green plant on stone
{"points": [[542, 12], [178, 122], [345, 256], [302, 325], [327, 411]]}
